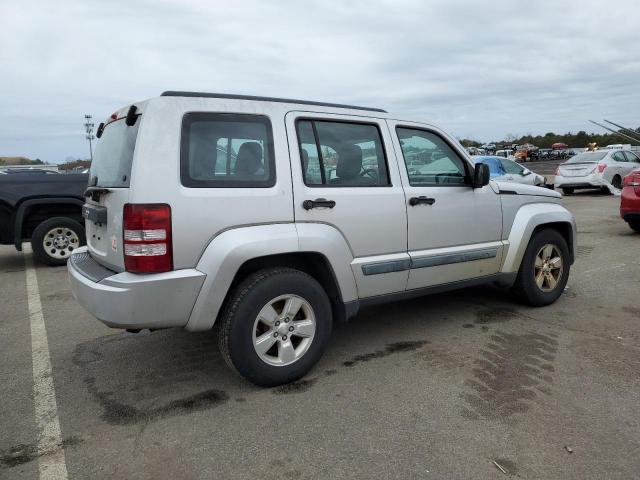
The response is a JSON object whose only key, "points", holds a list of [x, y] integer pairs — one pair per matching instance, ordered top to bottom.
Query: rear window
{"points": [[226, 150], [587, 157], [111, 166]]}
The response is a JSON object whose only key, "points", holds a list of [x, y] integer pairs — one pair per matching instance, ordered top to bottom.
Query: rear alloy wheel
{"points": [[567, 190], [55, 239], [544, 270], [275, 326]]}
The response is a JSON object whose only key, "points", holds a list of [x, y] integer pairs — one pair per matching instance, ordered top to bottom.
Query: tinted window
{"points": [[226, 150], [342, 154], [113, 157], [619, 157], [631, 157], [429, 159], [512, 167]]}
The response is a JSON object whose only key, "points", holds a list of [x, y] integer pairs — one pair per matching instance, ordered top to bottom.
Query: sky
{"points": [[478, 69]]}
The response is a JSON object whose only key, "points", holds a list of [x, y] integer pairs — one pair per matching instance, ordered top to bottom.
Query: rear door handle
{"points": [[413, 201], [318, 203]]}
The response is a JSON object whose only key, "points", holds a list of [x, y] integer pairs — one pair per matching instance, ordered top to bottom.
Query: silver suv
{"points": [[273, 218]]}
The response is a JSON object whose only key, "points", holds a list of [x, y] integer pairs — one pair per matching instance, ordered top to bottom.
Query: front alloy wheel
{"points": [[548, 267], [544, 270]]}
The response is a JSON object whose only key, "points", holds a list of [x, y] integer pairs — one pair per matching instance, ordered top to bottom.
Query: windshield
{"points": [[587, 157], [112, 160]]}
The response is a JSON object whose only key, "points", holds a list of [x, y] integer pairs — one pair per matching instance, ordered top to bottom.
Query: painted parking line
{"points": [[51, 459]]}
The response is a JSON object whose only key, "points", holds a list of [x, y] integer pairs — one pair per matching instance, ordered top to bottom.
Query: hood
{"points": [[512, 188]]}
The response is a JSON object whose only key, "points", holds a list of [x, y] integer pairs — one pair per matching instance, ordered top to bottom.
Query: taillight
{"points": [[601, 166], [632, 180], [147, 238]]}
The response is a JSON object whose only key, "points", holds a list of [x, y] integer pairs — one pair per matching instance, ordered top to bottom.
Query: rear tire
{"points": [[616, 181], [567, 190], [635, 225], [54, 240], [539, 283], [257, 310]]}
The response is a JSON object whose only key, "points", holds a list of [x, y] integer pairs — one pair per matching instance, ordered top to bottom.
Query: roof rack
{"points": [[171, 93]]}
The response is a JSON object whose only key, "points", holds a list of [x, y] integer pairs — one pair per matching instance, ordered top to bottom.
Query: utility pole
{"points": [[88, 126]]}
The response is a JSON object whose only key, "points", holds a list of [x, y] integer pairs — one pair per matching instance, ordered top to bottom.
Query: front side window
{"points": [[226, 150], [341, 154], [430, 161], [512, 167]]}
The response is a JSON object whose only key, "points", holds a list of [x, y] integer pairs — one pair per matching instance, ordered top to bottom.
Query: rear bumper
{"points": [[588, 181], [630, 204], [128, 300]]}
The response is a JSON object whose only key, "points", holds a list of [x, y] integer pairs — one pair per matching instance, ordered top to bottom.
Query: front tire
{"points": [[567, 190], [54, 240], [544, 270], [275, 326]]}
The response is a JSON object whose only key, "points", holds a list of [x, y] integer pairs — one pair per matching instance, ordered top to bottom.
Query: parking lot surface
{"points": [[437, 387]]}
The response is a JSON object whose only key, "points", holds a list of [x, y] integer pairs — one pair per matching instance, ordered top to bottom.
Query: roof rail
{"points": [[171, 93]]}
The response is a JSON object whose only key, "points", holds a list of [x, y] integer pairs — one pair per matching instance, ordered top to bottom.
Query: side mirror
{"points": [[526, 172], [481, 175]]}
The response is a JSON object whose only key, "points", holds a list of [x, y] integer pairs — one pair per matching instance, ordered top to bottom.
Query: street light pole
{"points": [[88, 126]]}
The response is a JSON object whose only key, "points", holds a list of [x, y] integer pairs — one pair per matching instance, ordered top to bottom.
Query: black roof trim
{"points": [[171, 93]]}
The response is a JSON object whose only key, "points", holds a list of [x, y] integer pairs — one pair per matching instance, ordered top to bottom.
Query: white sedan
{"points": [[602, 169]]}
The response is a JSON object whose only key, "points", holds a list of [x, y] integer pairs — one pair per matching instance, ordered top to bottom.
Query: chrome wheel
{"points": [[59, 242], [548, 267], [283, 330]]}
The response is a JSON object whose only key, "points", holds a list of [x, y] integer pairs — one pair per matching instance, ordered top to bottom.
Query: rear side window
{"points": [[226, 150], [341, 154], [631, 157], [111, 166]]}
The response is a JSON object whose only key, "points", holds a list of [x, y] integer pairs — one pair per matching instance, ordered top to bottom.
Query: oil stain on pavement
{"points": [[508, 375], [155, 385]]}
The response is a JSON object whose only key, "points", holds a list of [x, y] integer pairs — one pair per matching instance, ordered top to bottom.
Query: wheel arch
{"points": [[27, 208], [532, 218], [236, 253]]}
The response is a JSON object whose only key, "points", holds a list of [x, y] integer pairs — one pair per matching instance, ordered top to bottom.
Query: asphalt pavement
{"points": [[464, 385]]}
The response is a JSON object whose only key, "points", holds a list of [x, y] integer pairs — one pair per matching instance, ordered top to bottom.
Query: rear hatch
{"points": [[577, 169], [108, 190]]}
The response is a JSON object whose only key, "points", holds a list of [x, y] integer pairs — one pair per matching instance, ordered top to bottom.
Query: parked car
{"points": [[505, 154], [597, 169], [509, 171], [630, 200], [45, 209], [271, 244]]}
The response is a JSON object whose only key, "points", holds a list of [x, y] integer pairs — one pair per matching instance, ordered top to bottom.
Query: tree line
{"points": [[578, 140]]}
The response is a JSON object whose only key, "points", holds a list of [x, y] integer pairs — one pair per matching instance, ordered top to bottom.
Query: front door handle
{"points": [[413, 201], [318, 203]]}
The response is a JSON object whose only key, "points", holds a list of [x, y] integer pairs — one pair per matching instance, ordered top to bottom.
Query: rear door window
{"points": [[226, 150], [342, 154], [631, 157], [111, 166]]}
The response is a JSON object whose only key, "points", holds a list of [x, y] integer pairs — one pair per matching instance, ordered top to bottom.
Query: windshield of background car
{"points": [[113, 157], [587, 157]]}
